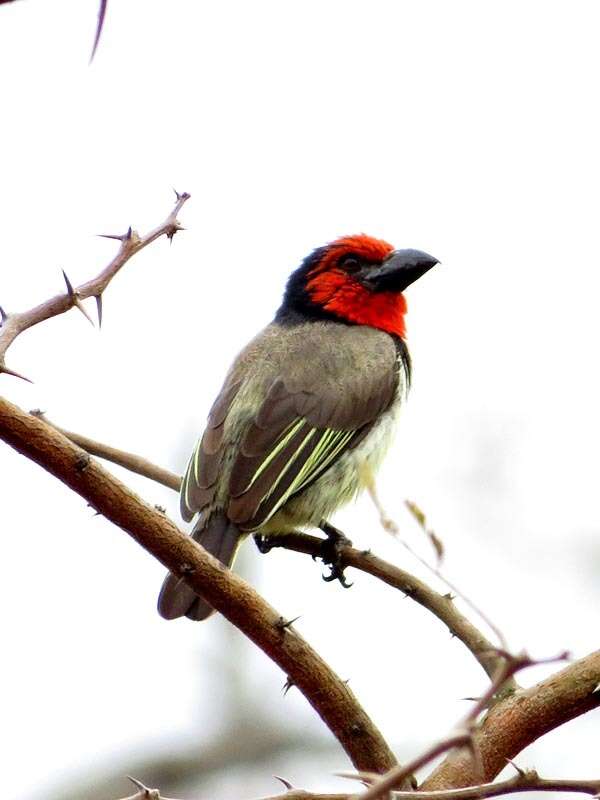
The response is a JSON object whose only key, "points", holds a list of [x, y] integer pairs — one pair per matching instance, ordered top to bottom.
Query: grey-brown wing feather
{"points": [[295, 400]]}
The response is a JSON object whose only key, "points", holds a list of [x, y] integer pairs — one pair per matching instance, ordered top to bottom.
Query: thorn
{"points": [[99, 26], [179, 196], [183, 196], [173, 230], [120, 237], [70, 290], [98, 298], [75, 299], [78, 304], [3, 315], [8, 371], [37, 412], [82, 461], [160, 509], [282, 624], [287, 686], [520, 771], [367, 778], [138, 784], [287, 784], [150, 794]]}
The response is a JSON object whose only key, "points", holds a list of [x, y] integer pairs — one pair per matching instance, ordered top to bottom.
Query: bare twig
{"points": [[13, 324], [132, 462], [421, 520], [222, 588], [440, 605], [509, 665], [518, 720], [463, 736], [396, 775], [523, 781]]}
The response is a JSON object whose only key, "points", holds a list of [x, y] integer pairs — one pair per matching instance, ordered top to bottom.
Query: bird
{"points": [[307, 406]]}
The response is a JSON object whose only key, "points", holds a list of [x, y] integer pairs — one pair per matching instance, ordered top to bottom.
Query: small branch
{"points": [[11, 325], [130, 461], [421, 521], [223, 589], [439, 605], [509, 666], [519, 719], [464, 735], [394, 777], [523, 781]]}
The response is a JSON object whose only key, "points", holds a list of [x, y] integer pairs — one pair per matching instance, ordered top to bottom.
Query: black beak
{"points": [[399, 270]]}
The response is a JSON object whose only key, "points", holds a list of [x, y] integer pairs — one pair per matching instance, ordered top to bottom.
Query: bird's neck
{"points": [[330, 295], [357, 304], [382, 310]]}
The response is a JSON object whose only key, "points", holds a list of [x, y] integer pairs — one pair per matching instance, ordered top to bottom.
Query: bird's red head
{"points": [[359, 280]]}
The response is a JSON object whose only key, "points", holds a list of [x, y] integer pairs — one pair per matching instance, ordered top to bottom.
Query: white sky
{"points": [[467, 129]]}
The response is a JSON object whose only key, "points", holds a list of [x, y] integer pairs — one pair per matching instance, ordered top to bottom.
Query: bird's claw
{"points": [[262, 542], [331, 554], [337, 573]]}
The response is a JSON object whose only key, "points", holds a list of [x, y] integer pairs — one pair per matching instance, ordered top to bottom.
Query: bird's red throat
{"points": [[330, 287], [338, 293]]}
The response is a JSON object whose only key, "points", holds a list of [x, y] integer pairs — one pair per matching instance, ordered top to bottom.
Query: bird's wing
{"points": [[305, 396]]}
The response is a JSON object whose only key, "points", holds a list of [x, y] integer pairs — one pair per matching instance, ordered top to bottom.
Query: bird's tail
{"points": [[221, 538]]}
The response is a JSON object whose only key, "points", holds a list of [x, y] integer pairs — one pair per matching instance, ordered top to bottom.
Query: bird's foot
{"points": [[262, 542], [331, 553]]}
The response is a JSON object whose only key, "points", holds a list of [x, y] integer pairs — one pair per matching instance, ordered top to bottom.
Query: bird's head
{"points": [[357, 279]]}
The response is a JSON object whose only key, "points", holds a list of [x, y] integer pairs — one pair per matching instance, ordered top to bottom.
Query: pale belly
{"points": [[341, 482]]}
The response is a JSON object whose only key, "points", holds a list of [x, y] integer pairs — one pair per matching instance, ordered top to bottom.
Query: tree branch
{"points": [[11, 325], [132, 462], [227, 592], [439, 605], [520, 719], [463, 738], [523, 781]]}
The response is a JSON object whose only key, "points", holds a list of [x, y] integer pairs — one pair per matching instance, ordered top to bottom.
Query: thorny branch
{"points": [[13, 324], [130, 461], [227, 592], [440, 605], [518, 720], [510, 725], [463, 737], [478, 750], [523, 781]]}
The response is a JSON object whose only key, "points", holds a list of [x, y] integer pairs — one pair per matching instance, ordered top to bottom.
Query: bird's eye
{"points": [[350, 264]]}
